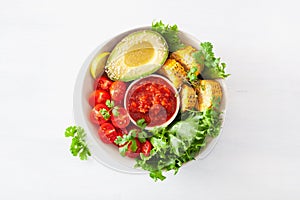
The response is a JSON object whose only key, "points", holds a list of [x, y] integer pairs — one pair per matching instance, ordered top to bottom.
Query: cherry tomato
{"points": [[103, 83], [117, 90], [98, 96], [119, 103], [95, 115], [122, 119], [131, 126], [122, 130], [108, 133], [146, 148], [135, 154]]}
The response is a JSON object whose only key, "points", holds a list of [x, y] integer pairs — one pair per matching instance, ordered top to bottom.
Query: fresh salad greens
{"points": [[170, 33], [213, 68], [180, 143], [78, 146]]}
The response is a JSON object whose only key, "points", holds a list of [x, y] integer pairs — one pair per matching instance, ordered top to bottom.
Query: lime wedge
{"points": [[98, 63]]}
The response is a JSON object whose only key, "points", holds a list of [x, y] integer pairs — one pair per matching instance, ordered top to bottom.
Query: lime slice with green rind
{"points": [[98, 63]]}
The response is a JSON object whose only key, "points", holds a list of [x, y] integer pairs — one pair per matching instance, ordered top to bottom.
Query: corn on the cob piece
{"points": [[184, 56], [173, 71], [207, 91], [188, 97]]}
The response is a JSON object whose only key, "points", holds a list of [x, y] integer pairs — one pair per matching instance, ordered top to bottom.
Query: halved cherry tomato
{"points": [[103, 83], [117, 90], [98, 96], [119, 103], [95, 115], [122, 119], [133, 126], [122, 130], [108, 133], [146, 148], [135, 154]]}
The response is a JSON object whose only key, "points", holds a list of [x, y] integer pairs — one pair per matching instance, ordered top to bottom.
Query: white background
{"points": [[43, 44]]}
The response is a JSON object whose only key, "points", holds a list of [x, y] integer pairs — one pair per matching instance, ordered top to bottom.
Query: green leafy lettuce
{"points": [[170, 33], [213, 68], [180, 143]]}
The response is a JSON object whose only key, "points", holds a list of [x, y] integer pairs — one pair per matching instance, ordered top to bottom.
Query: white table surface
{"points": [[43, 44]]}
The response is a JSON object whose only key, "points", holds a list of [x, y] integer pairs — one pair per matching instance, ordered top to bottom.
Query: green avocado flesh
{"points": [[137, 55]]}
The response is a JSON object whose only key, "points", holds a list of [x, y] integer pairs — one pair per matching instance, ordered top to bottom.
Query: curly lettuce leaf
{"points": [[170, 33], [213, 67], [180, 143]]}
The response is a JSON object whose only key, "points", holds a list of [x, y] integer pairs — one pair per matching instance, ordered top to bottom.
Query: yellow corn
{"points": [[184, 56], [173, 71], [207, 90], [188, 97]]}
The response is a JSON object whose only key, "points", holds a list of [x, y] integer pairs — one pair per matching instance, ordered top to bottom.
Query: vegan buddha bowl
{"points": [[149, 100]]}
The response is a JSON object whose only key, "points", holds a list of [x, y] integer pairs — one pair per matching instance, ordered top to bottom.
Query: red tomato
{"points": [[103, 83], [117, 90], [98, 96], [119, 103], [95, 115], [122, 119], [131, 126], [122, 130], [108, 133], [146, 148], [135, 154]]}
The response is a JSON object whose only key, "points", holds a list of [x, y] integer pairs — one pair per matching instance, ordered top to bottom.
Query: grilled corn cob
{"points": [[184, 56], [173, 71], [207, 90], [188, 97]]}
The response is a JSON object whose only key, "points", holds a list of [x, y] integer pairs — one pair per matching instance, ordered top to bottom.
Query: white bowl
{"points": [[109, 155]]}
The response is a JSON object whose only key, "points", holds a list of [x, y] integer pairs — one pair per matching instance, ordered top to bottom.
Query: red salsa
{"points": [[152, 99]]}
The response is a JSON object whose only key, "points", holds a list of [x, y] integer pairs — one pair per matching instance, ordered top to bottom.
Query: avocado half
{"points": [[137, 55]]}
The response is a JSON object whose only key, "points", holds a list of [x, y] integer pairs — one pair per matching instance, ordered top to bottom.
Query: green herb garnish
{"points": [[192, 76], [109, 103], [114, 109], [105, 114], [141, 123], [142, 134], [125, 140], [78, 145]]}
